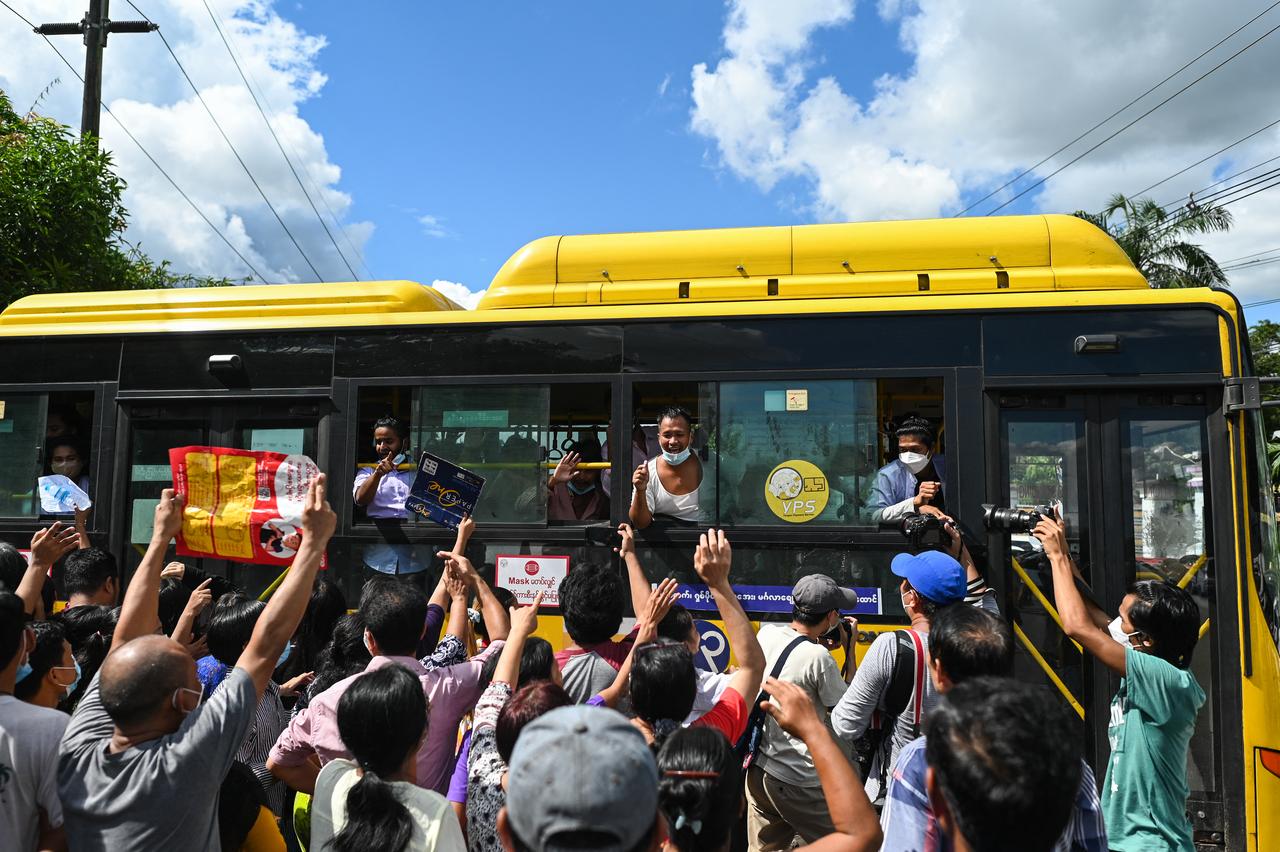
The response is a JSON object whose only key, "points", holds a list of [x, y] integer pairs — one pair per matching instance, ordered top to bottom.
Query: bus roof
{"points": [[976, 255], [663, 270]]}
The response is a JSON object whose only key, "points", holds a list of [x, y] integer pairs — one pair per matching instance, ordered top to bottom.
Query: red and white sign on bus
{"points": [[524, 576]]}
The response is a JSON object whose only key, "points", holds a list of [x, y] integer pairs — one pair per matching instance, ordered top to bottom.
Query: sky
{"points": [[433, 140]]}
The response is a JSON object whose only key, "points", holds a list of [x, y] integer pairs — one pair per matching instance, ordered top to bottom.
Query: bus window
{"points": [[579, 423], [22, 428], [67, 433], [794, 452], [695, 503], [1266, 554]]}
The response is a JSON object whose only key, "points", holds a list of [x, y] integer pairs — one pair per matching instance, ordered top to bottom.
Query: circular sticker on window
{"points": [[796, 491]]}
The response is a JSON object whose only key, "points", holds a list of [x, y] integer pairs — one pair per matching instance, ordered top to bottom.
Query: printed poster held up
{"points": [[443, 492], [241, 505], [525, 576]]}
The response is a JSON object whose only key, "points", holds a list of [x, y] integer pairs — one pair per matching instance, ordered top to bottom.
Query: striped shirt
{"points": [[269, 719]]}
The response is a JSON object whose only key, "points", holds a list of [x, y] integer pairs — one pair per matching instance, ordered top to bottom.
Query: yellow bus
{"points": [[1050, 368]]}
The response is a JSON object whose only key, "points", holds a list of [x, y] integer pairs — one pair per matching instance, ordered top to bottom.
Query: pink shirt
{"points": [[451, 693]]}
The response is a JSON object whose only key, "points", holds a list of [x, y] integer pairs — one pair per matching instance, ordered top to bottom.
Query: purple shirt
{"points": [[389, 496], [451, 693], [458, 783]]}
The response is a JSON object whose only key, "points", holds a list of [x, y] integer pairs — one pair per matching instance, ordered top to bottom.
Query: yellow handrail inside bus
{"points": [[1193, 570], [1044, 602], [1204, 628], [1047, 669]]}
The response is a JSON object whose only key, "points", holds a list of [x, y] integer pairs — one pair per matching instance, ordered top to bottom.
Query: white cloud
{"points": [[662, 87], [144, 88], [990, 89], [433, 226], [460, 293]]}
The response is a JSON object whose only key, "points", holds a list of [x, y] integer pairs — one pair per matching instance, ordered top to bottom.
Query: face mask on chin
{"points": [[676, 458]]}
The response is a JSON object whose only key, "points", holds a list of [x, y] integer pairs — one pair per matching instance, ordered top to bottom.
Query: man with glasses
{"points": [[142, 759]]}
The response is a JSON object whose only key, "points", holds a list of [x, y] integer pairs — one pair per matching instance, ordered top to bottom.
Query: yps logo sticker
{"points": [[796, 491]]}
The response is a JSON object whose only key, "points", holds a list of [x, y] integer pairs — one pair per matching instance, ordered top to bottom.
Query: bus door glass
{"points": [[153, 431], [1170, 539]]}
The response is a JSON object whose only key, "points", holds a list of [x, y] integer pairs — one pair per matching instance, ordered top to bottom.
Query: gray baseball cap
{"points": [[819, 593], [582, 770]]}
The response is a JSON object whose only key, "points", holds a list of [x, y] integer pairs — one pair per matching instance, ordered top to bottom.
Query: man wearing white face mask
{"points": [[914, 481], [669, 484], [30, 811]]}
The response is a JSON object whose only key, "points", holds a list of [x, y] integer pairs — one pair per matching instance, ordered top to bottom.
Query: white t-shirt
{"points": [[663, 502], [811, 667], [710, 686], [29, 737], [435, 827]]}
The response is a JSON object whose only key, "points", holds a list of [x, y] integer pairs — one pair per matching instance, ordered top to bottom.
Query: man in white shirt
{"points": [[784, 794], [30, 811]]}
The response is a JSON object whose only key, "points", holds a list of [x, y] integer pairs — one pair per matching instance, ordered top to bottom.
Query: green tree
{"points": [[61, 217], [1155, 239], [1264, 343]]}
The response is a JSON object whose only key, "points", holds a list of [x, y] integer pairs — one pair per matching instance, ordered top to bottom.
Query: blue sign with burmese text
{"points": [[443, 492], [770, 598]]}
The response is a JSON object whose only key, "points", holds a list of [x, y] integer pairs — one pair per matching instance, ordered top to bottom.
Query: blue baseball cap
{"points": [[934, 574]]}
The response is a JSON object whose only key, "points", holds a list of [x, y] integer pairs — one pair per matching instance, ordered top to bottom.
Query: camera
{"points": [[1014, 520], [925, 532]]}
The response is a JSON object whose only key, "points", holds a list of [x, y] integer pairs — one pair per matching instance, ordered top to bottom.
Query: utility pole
{"points": [[95, 27]]}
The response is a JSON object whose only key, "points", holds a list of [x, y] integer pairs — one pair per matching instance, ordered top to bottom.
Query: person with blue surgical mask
{"points": [[914, 481], [669, 484], [382, 491], [574, 493], [51, 672]]}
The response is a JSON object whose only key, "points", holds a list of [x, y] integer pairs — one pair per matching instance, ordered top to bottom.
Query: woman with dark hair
{"points": [[89, 629], [302, 654], [345, 655], [54, 671], [1153, 715], [499, 718], [373, 802]]}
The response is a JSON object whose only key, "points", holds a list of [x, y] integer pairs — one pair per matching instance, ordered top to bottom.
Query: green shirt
{"points": [[1144, 797]]}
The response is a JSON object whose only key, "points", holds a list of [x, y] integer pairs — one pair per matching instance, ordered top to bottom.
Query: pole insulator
{"points": [[132, 27], [61, 29]]}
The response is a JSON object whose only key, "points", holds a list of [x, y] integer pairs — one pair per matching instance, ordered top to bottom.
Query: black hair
{"points": [[676, 412], [70, 417], [917, 427], [400, 428], [75, 442], [588, 448], [13, 566], [87, 570], [174, 596], [592, 603], [326, 605], [395, 613], [808, 617], [1169, 617], [13, 623], [677, 625], [231, 627], [89, 629], [970, 642], [46, 654], [344, 656], [536, 661], [663, 686], [381, 719], [1006, 760], [240, 801], [714, 804]]}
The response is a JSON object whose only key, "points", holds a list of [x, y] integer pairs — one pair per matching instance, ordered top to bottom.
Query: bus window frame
{"points": [[101, 438]]}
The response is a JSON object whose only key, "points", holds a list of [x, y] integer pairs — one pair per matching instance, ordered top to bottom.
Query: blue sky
{"points": [[515, 121], [444, 136]]}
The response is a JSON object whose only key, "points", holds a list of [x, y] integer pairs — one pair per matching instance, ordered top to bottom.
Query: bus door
{"points": [[152, 428], [1131, 474]]}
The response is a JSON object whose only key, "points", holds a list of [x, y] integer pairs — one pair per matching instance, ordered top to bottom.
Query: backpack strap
{"points": [[777, 667], [918, 709]]}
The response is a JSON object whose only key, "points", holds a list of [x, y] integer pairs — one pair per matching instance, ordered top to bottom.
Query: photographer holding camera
{"points": [[913, 482], [784, 793]]}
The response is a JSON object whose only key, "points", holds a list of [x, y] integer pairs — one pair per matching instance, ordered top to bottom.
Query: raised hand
{"points": [[385, 466], [565, 468], [640, 479], [928, 490], [168, 518], [318, 518], [1053, 534], [628, 540], [49, 544], [713, 557], [461, 564], [173, 569], [455, 581], [200, 598], [660, 603], [524, 620], [294, 685], [790, 707]]}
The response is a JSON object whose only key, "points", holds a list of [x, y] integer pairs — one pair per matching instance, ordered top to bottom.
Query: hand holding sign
{"points": [[168, 518]]}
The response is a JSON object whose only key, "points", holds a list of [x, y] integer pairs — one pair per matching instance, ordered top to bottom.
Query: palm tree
{"points": [[1154, 239]]}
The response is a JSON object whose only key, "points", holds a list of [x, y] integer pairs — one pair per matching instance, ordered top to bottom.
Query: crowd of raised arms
{"points": [[179, 713]]}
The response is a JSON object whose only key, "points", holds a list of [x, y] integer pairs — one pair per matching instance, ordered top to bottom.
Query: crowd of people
{"points": [[178, 713]]}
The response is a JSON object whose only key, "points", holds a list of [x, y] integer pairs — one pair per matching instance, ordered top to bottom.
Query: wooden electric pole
{"points": [[95, 27]]}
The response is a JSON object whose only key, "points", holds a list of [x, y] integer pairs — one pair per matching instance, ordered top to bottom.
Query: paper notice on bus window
{"points": [[241, 505], [525, 576]]}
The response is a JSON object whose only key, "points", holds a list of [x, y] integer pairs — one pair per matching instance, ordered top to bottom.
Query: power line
{"points": [[231, 51], [272, 131], [1108, 138], [227, 139], [145, 152], [1028, 171], [1227, 178], [1143, 192], [1255, 254], [1252, 263]]}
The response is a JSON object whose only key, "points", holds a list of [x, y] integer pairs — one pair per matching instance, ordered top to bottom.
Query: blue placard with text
{"points": [[443, 492], [771, 599]]}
